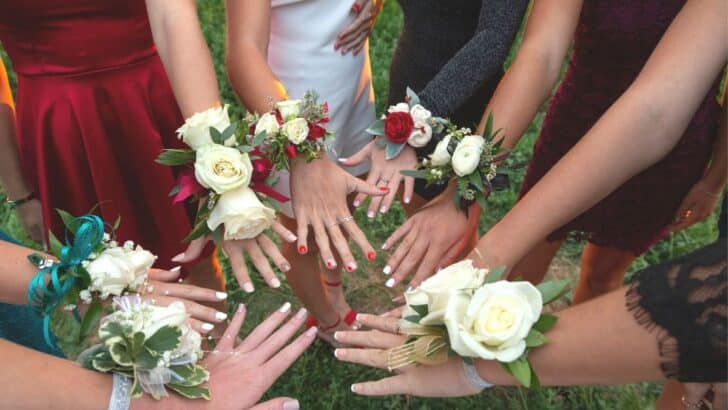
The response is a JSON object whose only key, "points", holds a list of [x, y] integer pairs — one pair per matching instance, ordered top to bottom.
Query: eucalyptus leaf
{"points": [[413, 98], [377, 128], [229, 131], [216, 136], [259, 138], [381, 142], [392, 150], [176, 157], [419, 174], [495, 274], [553, 289], [90, 319], [545, 322], [535, 338], [520, 370]]}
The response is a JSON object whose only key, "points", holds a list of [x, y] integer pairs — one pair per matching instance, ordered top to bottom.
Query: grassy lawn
{"points": [[321, 382]]}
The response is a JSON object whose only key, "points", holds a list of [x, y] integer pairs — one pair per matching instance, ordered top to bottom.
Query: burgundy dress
{"points": [[613, 41], [94, 109]]}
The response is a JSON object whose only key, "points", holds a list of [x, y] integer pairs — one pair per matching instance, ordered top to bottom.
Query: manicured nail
{"points": [[343, 159], [384, 189], [407, 199], [356, 204], [383, 209], [370, 214], [291, 237], [385, 246], [302, 249], [371, 255], [179, 257], [330, 263], [285, 267], [351, 267], [176, 269], [387, 270], [275, 283], [389, 283], [248, 287], [409, 289], [221, 295], [241, 308], [285, 308], [301, 313], [220, 316], [359, 317], [207, 327], [312, 332], [337, 336], [339, 353], [354, 388], [291, 405]]}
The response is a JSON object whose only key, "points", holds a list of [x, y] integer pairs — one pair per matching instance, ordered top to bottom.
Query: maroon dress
{"points": [[612, 43], [94, 109]]}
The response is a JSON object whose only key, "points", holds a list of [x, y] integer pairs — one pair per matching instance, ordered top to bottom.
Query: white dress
{"points": [[301, 54]]}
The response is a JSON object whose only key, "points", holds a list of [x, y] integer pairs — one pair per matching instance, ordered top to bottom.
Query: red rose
{"points": [[279, 117], [398, 126], [315, 131], [291, 151], [261, 169]]}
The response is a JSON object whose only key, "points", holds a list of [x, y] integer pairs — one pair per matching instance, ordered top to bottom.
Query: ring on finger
{"points": [[688, 213], [346, 219], [332, 224]]}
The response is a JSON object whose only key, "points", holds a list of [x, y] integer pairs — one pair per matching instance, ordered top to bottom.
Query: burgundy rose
{"points": [[398, 126], [315, 131], [291, 151], [262, 168]]}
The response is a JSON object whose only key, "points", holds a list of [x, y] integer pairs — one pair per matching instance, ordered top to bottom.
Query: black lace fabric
{"points": [[684, 301]]}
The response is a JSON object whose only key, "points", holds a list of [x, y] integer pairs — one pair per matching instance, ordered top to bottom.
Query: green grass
{"points": [[321, 382]]}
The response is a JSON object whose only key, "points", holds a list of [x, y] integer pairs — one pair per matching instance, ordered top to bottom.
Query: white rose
{"points": [[401, 107], [289, 109], [420, 115], [268, 123], [196, 130], [296, 130], [420, 136], [441, 156], [466, 157], [222, 168], [244, 216], [141, 260], [111, 272], [462, 275], [159, 316], [494, 323]]}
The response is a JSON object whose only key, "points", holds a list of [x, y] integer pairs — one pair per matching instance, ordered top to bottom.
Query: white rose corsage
{"points": [[406, 123], [472, 313]]}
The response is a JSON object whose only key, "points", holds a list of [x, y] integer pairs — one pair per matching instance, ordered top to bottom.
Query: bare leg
{"points": [[535, 264], [602, 270]]}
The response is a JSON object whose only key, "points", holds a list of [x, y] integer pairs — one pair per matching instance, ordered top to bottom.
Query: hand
{"points": [[354, 36], [385, 173], [319, 191], [697, 205], [31, 215], [433, 237], [257, 249], [162, 288], [240, 375], [446, 380], [695, 394]]}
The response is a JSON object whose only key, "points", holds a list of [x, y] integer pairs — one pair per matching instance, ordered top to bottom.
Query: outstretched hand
{"points": [[354, 36], [697, 206]]}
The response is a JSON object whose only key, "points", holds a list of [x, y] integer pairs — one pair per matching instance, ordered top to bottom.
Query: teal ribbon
{"points": [[50, 285]]}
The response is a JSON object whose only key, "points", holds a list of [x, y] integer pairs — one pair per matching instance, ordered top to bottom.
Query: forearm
{"points": [[185, 54], [254, 82], [11, 173], [715, 176], [15, 272], [589, 347]]}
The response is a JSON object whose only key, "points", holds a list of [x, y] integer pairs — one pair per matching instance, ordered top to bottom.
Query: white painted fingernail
{"points": [[343, 159], [407, 199], [356, 204], [383, 209], [370, 214], [292, 238], [384, 246], [179, 257], [286, 267], [176, 269], [387, 270], [275, 283], [389, 283], [248, 287], [409, 289], [221, 295], [241, 307], [285, 308], [301, 313], [220, 316], [207, 327], [311, 332], [337, 335], [338, 353], [353, 388], [291, 405]]}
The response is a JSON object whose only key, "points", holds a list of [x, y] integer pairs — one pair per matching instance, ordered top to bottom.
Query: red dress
{"points": [[612, 43], [94, 109]]}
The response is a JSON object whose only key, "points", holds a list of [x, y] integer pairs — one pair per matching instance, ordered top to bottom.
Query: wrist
{"points": [[713, 183], [15, 202]]}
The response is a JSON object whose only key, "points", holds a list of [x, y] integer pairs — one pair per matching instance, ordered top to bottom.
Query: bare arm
{"points": [[184, 52], [247, 57], [642, 126], [11, 174], [715, 176]]}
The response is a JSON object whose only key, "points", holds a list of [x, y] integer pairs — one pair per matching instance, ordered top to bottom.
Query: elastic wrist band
{"points": [[121, 393]]}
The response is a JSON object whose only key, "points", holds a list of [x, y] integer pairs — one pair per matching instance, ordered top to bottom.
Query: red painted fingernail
{"points": [[356, 8], [384, 189], [302, 249], [371, 255], [330, 264], [351, 267]]}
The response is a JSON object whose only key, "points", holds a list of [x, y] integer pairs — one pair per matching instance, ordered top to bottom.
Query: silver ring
{"points": [[346, 219], [332, 224]]}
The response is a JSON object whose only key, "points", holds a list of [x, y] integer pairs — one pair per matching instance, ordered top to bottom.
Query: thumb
{"points": [[359, 157], [355, 184], [193, 251], [279, 403]]}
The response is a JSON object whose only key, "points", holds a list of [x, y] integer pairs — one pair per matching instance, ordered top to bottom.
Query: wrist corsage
{"points": [[407, 123], [473, 313]]}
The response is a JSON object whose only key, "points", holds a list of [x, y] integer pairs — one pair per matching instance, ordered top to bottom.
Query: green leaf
{"points": [[413, 98], [488, 125], [377, 128], [229, 132], [216, 136], [259, 138], [381, 142], [246, 148], [393, 150], [176, 157], [419, 173], [477, 181], [174, 191], [481, 201], [68, 220], [117, 223], [201, 229], [54, 243], [36, 259], [495, 274], [553, 289], [421, 310], [413, 318], [90, 319], [545, 322], [111, 329], [166, 338], [535, 338], [137, 343], [120, 354], [145, 359], [103, 365], [520, 370], [191, 375], [535, 382], [136, 389], [191, 392]]}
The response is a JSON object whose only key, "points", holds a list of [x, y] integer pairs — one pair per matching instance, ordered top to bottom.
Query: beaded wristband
{"points": [[121, 393]]}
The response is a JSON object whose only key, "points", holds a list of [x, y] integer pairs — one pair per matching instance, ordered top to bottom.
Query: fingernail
{"points": [[343, 159], [384, 189], [407, 199], [356, 204], [383, 209], [370, 214], [292, 237], [385, 246], [302, 249], [371, 255], [179, 257], [330, 263], [286, 267], [351, 267], [176, 269], [387, 270], [275, 283], [389, 283], [248, 287], [409, 289], [221, 295], [241, 308], [285, 308], [301, 313], [220, 316], [359, 317], [207, 327], [312, 332], [337, 335], [339, 353], [354, 388], [291, 405]]}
